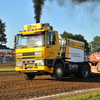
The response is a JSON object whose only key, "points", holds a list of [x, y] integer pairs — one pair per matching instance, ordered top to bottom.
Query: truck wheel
{"points": [[58, 71], [85, 71], [28, 76], [53, 77]]}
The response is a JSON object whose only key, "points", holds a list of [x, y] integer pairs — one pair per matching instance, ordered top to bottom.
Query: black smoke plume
{"points": [[82, 1], [39, 3], [38, 9]]}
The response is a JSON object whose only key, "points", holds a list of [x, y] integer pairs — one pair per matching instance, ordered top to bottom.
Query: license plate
{"points": [[29, 68]]}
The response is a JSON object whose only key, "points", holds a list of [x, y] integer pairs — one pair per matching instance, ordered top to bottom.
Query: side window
{"points": [[48, 38]]}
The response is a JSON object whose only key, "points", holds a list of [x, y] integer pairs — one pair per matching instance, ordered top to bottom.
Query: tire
{"points": [[85, 71], [58, 72], [28, 76], [53, 77]]}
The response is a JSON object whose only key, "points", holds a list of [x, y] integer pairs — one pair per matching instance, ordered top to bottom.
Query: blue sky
{"points": [[74, 18]]}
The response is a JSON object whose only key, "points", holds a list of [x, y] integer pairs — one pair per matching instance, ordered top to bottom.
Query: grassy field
{"points": [[7, 62], [7, 66], [8, 69], [89, 96]]}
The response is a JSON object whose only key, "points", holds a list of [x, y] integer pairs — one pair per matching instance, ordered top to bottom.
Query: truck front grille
{"points": [[29, 55]]}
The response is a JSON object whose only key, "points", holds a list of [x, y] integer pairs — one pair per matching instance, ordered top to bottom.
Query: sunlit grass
{"points": [[7, 62], [7, 69], [89, 96]]}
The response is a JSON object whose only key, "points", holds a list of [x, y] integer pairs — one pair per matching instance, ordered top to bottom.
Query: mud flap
{"points": [[98, 67]]}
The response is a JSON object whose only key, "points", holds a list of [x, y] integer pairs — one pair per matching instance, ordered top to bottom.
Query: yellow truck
{"points": [[39, 51]]}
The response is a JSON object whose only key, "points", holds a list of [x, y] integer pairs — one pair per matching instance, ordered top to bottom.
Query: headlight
{"points": [[38, 53], [19, 54], [39, 62], [17, 63]]}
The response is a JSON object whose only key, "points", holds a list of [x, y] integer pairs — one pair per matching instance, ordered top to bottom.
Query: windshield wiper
{"points": [[37, 45], [24, 47]]}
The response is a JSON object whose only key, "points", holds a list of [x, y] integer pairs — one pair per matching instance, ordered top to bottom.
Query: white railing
{"points": [[5, 50]]}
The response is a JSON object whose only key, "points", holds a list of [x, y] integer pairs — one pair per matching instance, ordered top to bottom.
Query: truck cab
{"points": [[35, 50]]}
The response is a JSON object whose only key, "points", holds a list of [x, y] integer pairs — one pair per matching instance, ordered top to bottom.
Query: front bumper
{"points": [[34, 69]]}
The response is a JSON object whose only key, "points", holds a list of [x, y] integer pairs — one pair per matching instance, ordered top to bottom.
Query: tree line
{"points": [[3, 39], [93, 46]]}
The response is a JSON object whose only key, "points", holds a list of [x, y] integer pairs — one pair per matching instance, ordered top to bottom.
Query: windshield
{"points": [[34, 40]]}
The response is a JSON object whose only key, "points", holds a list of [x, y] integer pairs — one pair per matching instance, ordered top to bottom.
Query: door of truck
{"points": [[52, 50]]}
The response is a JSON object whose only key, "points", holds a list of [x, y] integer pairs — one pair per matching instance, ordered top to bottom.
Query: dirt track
{"points": [[7, 65], [14, 86]]}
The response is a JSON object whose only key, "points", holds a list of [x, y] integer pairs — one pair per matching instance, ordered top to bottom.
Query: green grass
{"points": [[7, 62], [8, 69], [89, 96]]}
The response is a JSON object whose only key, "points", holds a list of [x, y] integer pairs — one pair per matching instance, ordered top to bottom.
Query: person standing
{"points": [[3, 58]]}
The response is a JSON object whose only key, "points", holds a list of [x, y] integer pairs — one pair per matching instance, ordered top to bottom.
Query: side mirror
{"points": [[52, 39], [14, 42]]}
